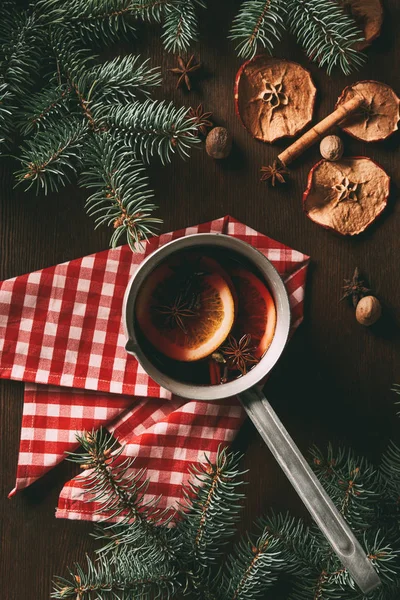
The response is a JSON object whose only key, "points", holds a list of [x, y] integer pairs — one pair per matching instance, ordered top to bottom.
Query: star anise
{"points": [[183, 71], [201, 119], [274, 172], [355, 288], [177, 312], [239, 354]]}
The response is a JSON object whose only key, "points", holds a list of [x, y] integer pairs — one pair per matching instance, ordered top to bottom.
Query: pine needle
{"points": [[258, 25], [327, 34], [121, 197]]}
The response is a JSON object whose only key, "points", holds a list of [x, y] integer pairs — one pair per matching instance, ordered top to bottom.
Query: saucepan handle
{"points": [[311, 492]]}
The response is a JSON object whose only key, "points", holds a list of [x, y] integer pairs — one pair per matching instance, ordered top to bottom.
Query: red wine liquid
{"points": [[197, 372]]}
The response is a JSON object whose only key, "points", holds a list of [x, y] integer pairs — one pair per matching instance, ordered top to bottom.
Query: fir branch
{"points": [[152, 10], [96, 21], [258, 23], [180, 25], [326, 33], [21, 50], [76, 64], [123, 79], [46, 107], [6, 111], [152, 127], [50, 157], [121, 197], [390, 468], [110, 480], [350, 481], [119, 492], [212, 508], [301, 550], [384, 558], [182, 559], [251, 569], [128, 578]]}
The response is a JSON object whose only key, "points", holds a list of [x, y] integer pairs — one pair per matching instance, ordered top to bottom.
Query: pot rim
{"points": [[275, 285]]}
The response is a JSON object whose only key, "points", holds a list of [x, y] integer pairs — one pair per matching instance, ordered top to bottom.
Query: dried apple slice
{"points": [[274, 98], [378, 117], [346, 196]]}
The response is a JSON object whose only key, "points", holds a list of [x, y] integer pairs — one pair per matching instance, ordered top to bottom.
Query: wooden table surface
{"points": [[333, 382]]}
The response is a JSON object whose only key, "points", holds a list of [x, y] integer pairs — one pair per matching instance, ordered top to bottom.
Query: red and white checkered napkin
{"points": [[61, 332]]}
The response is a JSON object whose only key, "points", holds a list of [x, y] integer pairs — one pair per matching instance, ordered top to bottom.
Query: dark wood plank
{"points": [[334, 380]]}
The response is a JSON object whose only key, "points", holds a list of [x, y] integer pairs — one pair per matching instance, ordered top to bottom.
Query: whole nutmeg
{"points": [[218, 143], [331, 147], [368, 310]]}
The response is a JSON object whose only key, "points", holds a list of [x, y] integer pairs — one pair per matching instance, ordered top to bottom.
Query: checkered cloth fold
{"points": [[61, 333]]}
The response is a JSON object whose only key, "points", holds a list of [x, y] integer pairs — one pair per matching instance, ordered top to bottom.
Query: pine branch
{"points": [[152, 10], [96, 21], [258, 24], [180, 25], [326, 33], [21, 50], [75, 62], [76, 67], [123, 79], [47, 107], [6, 110], [152, 127], [50, 158], [121, 195], [390, 468], [110, 480], [351, 482], [212, 508], [142, 534], [152, 544], [302, 552], [384, 558], [158, 561], [252, 568], [129, 578], [333, 581]]}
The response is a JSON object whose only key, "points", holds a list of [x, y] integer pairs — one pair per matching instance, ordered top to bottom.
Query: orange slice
{"points": [[256, 310], [184, 322]]}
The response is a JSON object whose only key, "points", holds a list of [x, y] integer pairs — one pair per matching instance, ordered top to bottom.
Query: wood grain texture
{"points": [[334, 380]]}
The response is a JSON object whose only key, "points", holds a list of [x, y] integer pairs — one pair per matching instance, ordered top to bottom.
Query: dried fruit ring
{"points": [[274, 97], [378, 116], [346, 196]]}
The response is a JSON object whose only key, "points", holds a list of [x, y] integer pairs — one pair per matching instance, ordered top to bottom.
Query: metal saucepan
{"points": [[257, 407]]}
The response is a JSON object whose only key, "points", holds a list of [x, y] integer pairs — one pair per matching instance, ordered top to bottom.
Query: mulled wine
{"points": [[205, 316]]}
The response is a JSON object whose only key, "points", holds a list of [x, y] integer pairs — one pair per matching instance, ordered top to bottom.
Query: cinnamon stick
{"points": [[316, 133]]}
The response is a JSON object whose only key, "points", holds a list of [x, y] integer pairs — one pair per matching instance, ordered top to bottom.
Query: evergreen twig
{"points": [[258, 24], [180, 26], [326, 32], [124, 79], [57, 95], [51, 104], [6, 111], [152, 128], [50, 158], [121, 196], [212, 505], [143, 559], [126, 579]]}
